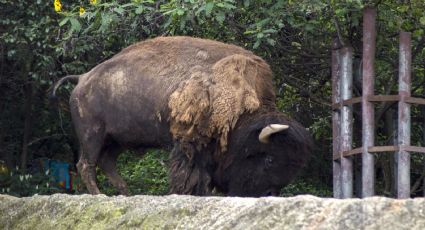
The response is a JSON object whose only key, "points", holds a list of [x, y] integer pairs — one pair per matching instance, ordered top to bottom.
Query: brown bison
{"points": [[211, 104]]}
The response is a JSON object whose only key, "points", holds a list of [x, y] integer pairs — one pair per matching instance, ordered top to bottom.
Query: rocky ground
{"points": [[188, 212]]}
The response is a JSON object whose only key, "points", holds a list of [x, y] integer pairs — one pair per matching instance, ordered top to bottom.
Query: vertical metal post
{"points": [[336, 120], [346, 121], [368, 123], [423, 141], [395, 142], [403, 166]]}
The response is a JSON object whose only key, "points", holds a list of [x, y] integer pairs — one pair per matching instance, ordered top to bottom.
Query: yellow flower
{"points": [[93, 2], [58, 5], [82, 11], [3, 169]]}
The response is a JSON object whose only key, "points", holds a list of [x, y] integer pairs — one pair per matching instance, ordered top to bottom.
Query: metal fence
{"points": [[342, 117]]}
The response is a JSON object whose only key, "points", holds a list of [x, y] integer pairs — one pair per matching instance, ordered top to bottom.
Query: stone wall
{"points": [[187, 212]]}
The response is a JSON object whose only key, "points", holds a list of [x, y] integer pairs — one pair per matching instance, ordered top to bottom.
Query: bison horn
{"points": [[269, 130]]}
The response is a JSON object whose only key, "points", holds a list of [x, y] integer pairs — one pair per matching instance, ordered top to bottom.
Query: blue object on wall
{"points": [[59, 171]]}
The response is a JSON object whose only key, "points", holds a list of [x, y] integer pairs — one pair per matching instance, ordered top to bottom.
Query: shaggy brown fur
{"points": [[208, 105]]}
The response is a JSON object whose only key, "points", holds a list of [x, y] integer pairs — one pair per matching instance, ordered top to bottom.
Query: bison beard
{"points": [[213, 104]]}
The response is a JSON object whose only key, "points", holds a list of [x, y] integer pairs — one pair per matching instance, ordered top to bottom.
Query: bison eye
{"points": [[268, 161]]}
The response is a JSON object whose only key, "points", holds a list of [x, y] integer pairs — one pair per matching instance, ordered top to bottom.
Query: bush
{"points": [[144, 175], [17, 183], [299, 187]]}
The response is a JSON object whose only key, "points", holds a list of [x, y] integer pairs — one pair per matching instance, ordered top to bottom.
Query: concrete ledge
{"points": [[187, 212]]}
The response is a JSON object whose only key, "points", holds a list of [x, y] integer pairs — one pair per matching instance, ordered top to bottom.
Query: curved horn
{"points": [[269, 130]]}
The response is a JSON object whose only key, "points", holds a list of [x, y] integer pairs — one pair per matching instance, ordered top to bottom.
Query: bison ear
{"points": [[269, 130]]}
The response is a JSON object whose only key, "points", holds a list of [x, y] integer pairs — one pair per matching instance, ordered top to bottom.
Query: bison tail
{"points": [[52, 96]]}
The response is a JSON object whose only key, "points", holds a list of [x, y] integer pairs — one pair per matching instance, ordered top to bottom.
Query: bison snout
{"points": [[272, 192]]}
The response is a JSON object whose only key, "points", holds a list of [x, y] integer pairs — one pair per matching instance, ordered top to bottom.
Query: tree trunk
{"points": [[27, 125], [5, 155], [388, 159]]}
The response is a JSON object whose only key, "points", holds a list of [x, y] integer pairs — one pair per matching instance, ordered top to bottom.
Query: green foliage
{"points": [[182, 15], [30, 38], [144, 175], [21, 184], [300, 187]]}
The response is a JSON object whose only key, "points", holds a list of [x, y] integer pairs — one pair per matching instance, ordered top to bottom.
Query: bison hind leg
{"points": [[92, 136], [108, 164], [87, 171], [190, 171]]}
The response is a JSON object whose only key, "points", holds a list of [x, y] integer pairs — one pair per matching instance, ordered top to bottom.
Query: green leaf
{"points": [[246, 3], [127, 5], [228, 6], [208, 8], [200, 9], [402, 9], [119, 10], [139, 10], [168, 11], [180, 12], [340, 12], [220, 17], [106, 20], [422, 20], [63, 22], [263, 22], [280, 24], [75, 25], [309, 27], [269, 31], [250, 32], [418, 33], [260, 35], [271, 41], [257, 44], [296, 44]]}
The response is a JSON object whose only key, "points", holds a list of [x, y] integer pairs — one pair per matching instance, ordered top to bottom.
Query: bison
{"points": [[212, 104]]}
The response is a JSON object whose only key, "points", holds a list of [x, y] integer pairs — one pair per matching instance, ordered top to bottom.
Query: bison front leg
{"points": [[190, 171]]}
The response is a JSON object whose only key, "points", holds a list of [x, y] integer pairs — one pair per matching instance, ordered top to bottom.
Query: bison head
{"points": [[265, 153]]}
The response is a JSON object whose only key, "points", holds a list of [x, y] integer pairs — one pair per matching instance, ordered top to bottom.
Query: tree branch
{"points": [[46, 137]]}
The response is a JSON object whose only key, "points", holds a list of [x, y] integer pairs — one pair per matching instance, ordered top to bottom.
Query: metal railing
{"points": [[342, 117]]}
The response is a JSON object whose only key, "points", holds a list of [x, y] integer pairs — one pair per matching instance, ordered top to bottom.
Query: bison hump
{"points": [[208, 104]]}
